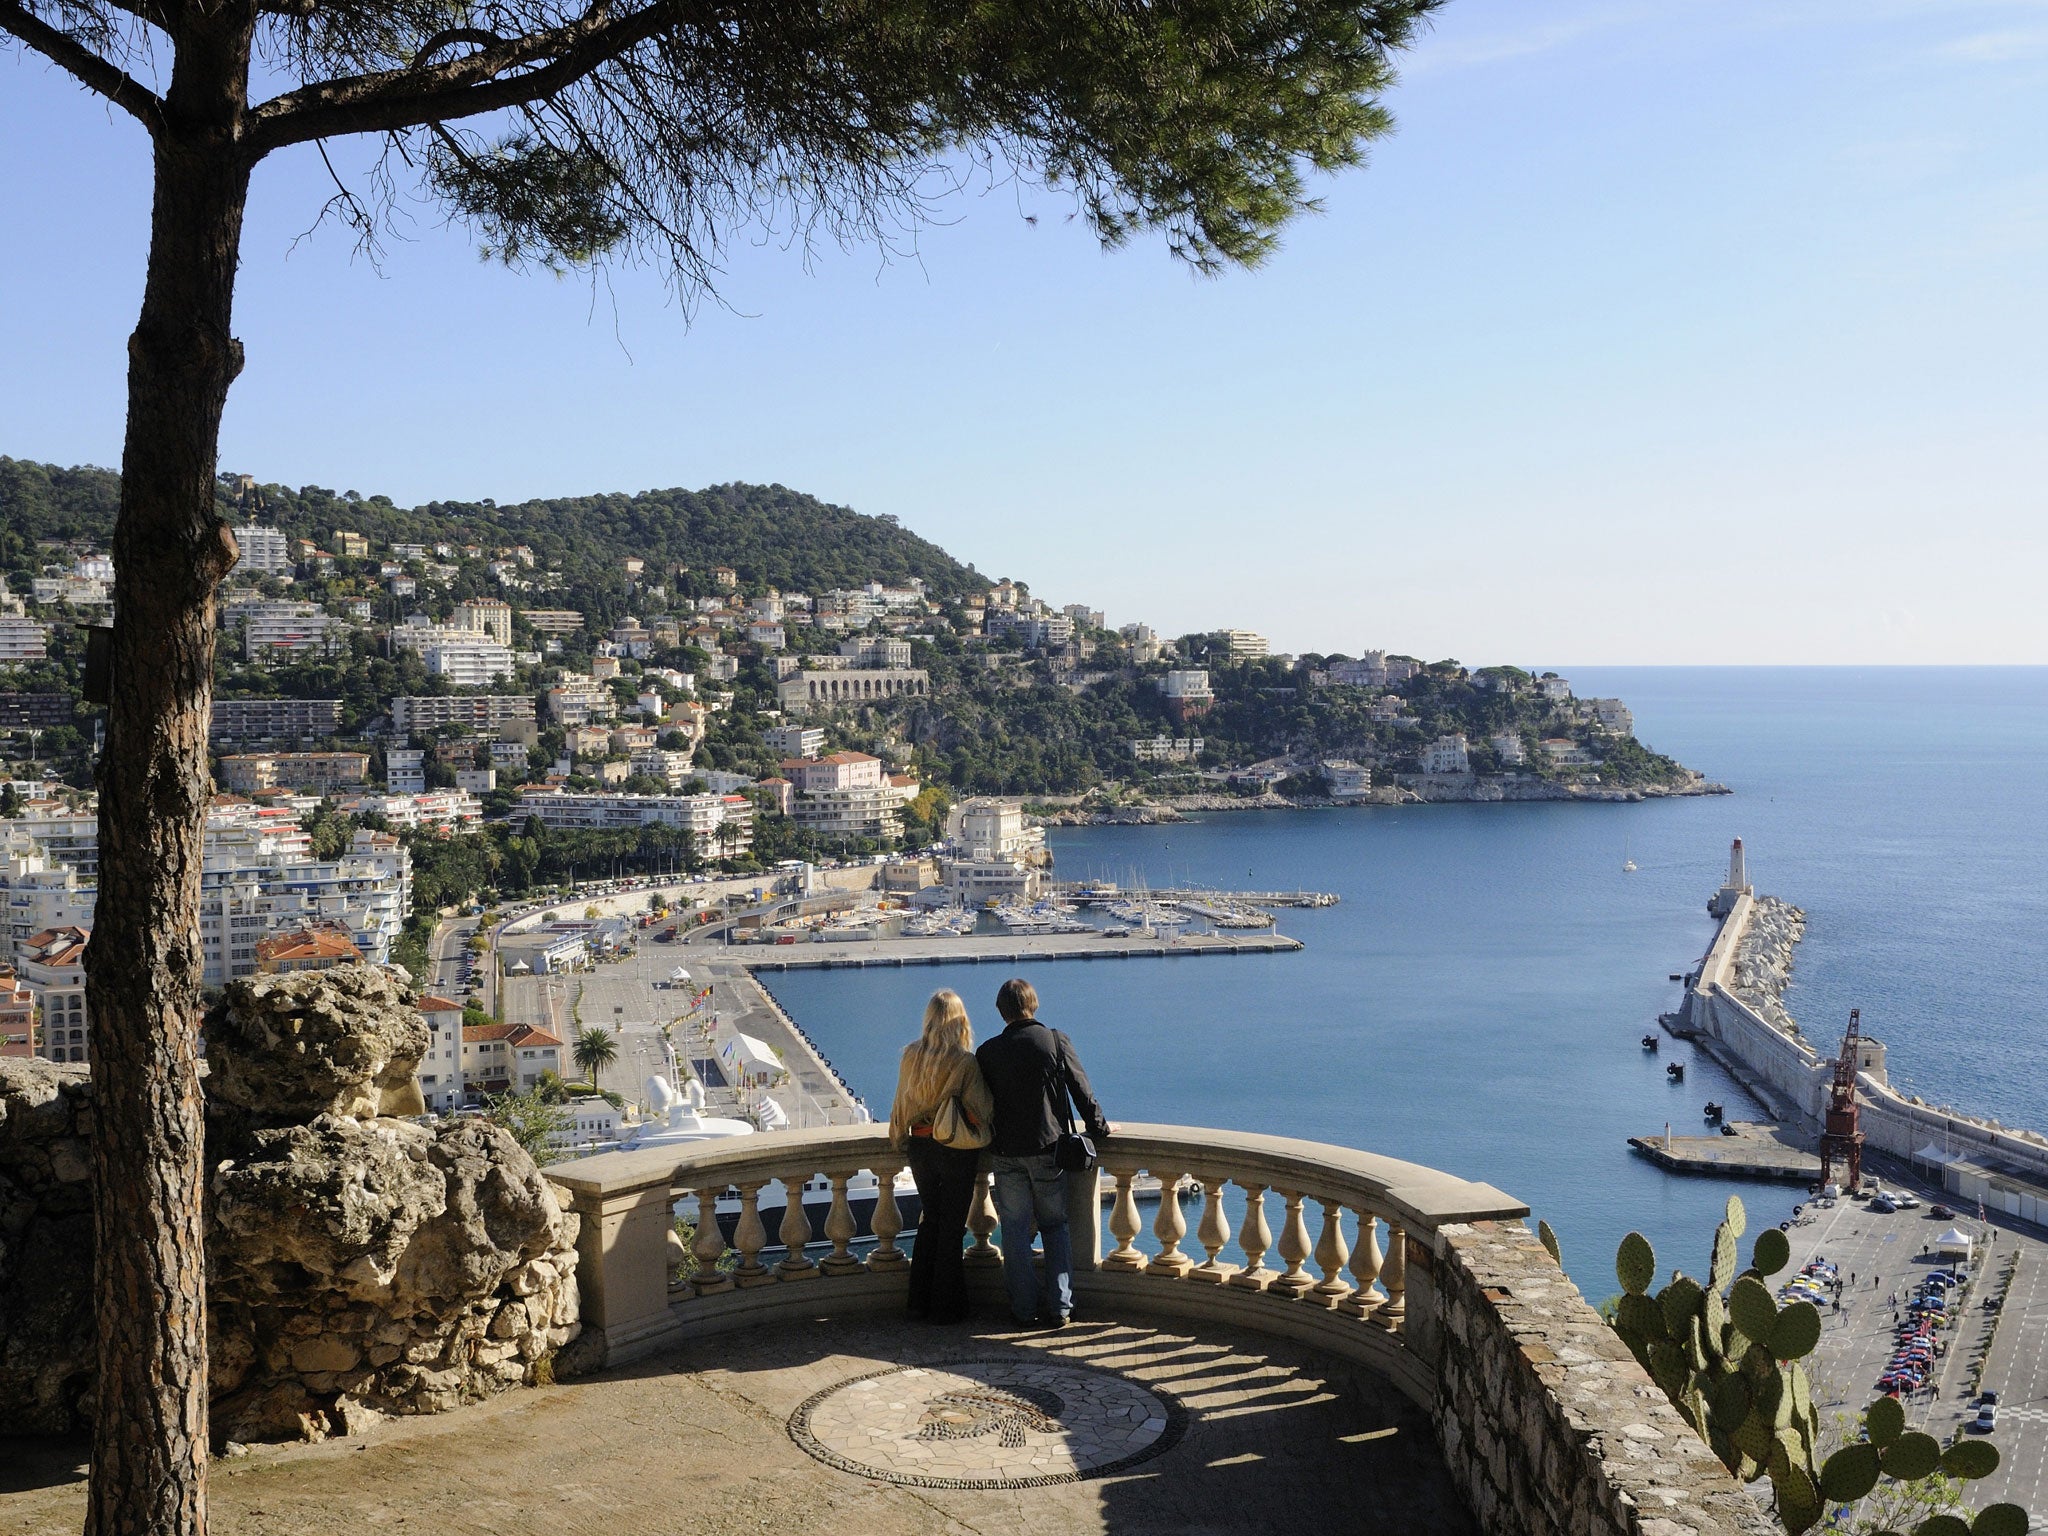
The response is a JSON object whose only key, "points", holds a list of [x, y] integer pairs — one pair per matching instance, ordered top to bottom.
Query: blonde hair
{"points": [[945, 1023], [930, 1061]]}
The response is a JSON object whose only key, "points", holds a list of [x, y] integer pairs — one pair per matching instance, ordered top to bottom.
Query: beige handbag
{"points": [[953, 1127]]}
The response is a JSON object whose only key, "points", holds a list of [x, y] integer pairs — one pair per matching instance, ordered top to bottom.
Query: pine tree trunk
{"points": [[144, 965]]}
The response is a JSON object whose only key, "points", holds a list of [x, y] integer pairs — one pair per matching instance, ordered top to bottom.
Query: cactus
{"points": [[1727, 1356]]}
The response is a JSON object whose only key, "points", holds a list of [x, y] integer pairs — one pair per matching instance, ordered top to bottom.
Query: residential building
{"points": [[350, 546], [264, 551], [726, 577], [487, 615], [1085, 617], [552, 621], [280, 628], [1037, 631], [773, 637], [23, 640], [1144, 643], [1239, 645], [876, 651], [468, 658], [1554, 688], [809, 692], [1188, 694], [577, 701], [34, 711], [418, 714], [1611, 716], [239, 720], [796, 740], [1507, 746], [1167, 749], [1563, 752], [1447, 754], [672, 768], [405, 770], [248, 773], [1347, 780], [476, 781], [848, 795], [457, 809], [725, 822], [992, 852], [313, 948], [51, 965], [17, 1015], [508, 1058], [440, 1069]]}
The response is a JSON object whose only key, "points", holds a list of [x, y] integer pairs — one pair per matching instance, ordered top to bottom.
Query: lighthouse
{"points": [[1738, 883]]}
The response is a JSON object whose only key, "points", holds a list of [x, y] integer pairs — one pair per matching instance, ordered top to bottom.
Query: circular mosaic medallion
{"points": [[987, 1424]]}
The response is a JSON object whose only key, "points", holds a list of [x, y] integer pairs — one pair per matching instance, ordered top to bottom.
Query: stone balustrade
{"points": [[1329, 1245], [1431, 1281]]}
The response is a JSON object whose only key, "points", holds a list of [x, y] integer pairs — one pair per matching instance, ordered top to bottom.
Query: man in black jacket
{"points": [[1032, 1070]]}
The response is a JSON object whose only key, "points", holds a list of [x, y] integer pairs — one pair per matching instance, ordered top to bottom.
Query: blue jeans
{"points": [[1033, 1191]]}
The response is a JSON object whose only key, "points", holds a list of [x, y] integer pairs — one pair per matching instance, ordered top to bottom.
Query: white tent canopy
{"points": [[746, 1056], [1933, 1154], [1954, 1241]]}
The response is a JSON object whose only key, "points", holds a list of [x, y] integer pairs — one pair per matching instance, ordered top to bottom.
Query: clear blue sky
{"points": [[1663, 331]]}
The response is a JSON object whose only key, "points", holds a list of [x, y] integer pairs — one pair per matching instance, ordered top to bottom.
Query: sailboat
{"points": [[1628, 864]]}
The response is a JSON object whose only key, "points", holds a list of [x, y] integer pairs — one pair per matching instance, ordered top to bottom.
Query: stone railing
{"points": [[1330, 1245], [1431, 1281]]}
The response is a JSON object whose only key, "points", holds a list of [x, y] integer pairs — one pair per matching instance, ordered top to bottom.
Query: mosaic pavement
{"points": [[987, 1424]]}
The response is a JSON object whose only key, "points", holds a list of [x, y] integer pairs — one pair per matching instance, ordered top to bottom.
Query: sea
{"points": [[1476, 1000]]}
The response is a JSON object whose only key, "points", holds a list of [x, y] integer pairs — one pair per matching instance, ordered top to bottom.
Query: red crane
{"points": [[1841, 1138]]}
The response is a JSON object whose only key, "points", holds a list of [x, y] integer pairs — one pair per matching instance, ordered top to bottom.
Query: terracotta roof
{"points": [[849, 757], [308, 944], [432, 1004], [511, 1034]]}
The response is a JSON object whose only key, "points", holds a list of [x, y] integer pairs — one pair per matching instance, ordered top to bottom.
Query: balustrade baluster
{"points": [[887, 1221], [981, 1221], [1124, 1224], [1170, 1226], [841, 1228], [796, 1231], [1214, 1235], [750, 1237], [1256, 1238], [709, 1247], [1294, 1248], [1331, 1254], [1365, 1268], [1394, 1278]]}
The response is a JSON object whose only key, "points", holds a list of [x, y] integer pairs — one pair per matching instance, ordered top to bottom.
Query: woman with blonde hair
{"points": [[941, 1119]]}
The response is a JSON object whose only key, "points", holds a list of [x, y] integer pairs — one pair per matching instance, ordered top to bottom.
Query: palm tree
{"points": [[595, 1050]]}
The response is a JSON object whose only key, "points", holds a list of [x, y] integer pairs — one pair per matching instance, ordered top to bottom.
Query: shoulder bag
{"points": [[953, 1127], [1074, 1152]]}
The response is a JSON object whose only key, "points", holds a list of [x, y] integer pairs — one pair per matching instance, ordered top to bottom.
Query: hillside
{"points": [[771, 535]]}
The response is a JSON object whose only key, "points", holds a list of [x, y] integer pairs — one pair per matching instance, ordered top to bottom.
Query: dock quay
{"points": [[1087, 895], [894, 954], [1755, 1151]]}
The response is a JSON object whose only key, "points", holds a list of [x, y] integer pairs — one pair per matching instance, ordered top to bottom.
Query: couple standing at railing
{"points": [[1018, 1097]]}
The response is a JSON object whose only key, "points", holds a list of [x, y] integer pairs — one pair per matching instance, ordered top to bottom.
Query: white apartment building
{"points": [[264, 551], [487, 615], [552, 621], [276, 628], [768, 636], [23, 640], [1240, 644], [876, 652], [468, 658], [1554, 688], [808, 692], [1188, 693], [578, 701], [479, 712], [1611, 715], [796, 740], [1507, 746], [1167, 749], [1447, 754], [672, 768], [848, 795], [457, 808], [721, 822], [991, 853], [37, 892], [51, 965], [503, 1058], [440, 1069]]}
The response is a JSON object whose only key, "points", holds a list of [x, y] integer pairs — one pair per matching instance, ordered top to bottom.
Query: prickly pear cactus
{"points": [[1727, 1355]]}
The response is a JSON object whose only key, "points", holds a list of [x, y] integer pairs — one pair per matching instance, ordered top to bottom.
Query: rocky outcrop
{"points": [[345, 1041], [358, 1263], [46, 1330]]}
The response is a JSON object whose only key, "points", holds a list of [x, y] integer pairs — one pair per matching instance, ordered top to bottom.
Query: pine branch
{"points": [[82, 64], [478, 82]]}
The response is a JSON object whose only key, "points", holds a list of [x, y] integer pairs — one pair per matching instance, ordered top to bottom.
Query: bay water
{"points": [[1476, 1000]]}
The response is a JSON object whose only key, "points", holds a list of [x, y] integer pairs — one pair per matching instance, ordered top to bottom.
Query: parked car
{"points": [[1882, 1206], [1941, 1213], [1988, 1398], [1987, 1419]]}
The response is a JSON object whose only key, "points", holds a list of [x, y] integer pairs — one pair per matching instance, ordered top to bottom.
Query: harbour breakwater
{"points": [[1446, 789], [1734, 1007]]}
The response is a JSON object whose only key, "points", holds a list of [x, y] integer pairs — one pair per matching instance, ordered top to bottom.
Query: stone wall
{"points": [[359, 1262], [1548, 1425]]}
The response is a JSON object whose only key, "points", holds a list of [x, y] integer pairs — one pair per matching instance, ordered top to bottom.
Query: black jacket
{"points": [[1020, 1066]]}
